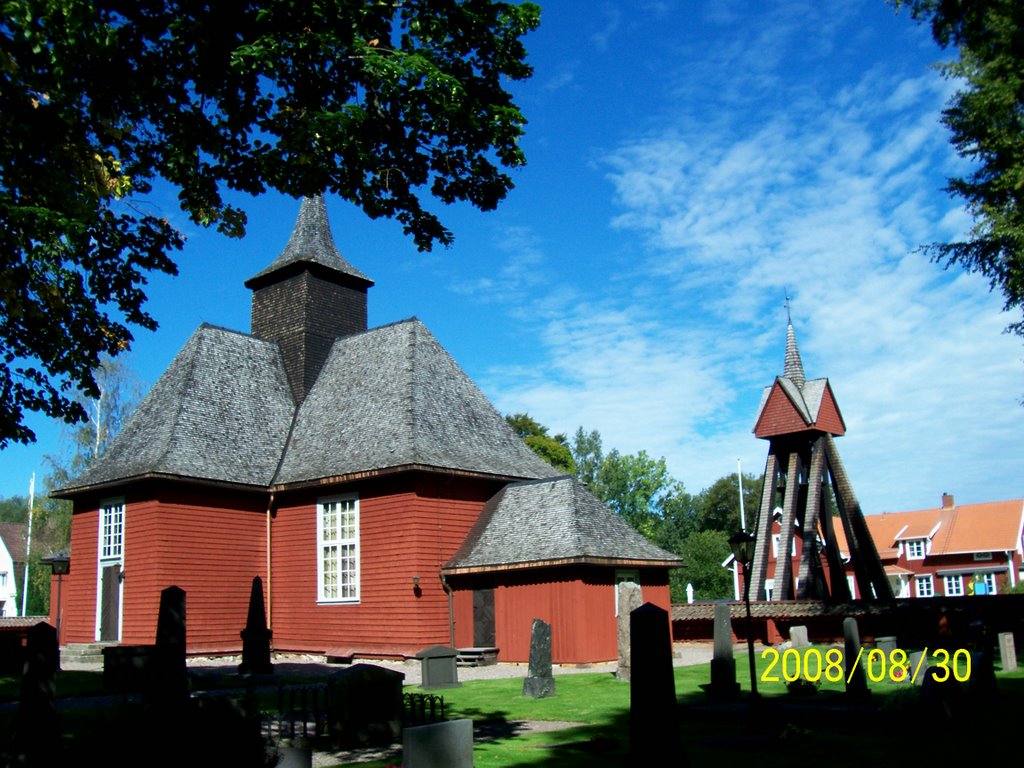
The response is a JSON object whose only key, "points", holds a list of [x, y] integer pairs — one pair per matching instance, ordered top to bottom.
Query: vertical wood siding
{"points": [[578, 602]]}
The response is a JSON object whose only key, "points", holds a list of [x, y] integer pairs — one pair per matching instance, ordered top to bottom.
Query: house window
{"points": [[111, 530], [337, 535], [776, 539], [915, 549], [982, 555], [3, 579], [990, 582], [954, 585], [924, 586], [769, 587]]}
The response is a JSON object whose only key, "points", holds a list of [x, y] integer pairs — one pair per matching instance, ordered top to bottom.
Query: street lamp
{"points": [[742, 545], [60, 566]]}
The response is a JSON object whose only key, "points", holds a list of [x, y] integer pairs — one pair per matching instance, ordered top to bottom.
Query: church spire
{"points": [[311, 243], [308, 297], [794, 367]]}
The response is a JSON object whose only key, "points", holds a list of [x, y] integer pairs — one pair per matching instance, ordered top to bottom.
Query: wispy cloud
{"points": [[827, 200]]}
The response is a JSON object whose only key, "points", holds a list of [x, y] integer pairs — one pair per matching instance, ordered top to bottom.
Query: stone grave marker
{"points": [[629, 596], [256, 636], [798, 636], [1007, 652], [914, 661], [723, 664], [438, 668], [169, 673], [540, 682], [856, 683], [366, 705], [653, 711], [35, 728], [439, 745]]}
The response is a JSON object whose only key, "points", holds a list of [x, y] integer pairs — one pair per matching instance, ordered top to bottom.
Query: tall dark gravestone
{"points": [[256, 636], [723, 664], [170, 675], [856, 682], [540, 683], [653, 713], [35, 730]]}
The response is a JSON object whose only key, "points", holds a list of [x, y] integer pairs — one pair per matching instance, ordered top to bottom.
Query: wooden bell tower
{"points": [[805, 477]]}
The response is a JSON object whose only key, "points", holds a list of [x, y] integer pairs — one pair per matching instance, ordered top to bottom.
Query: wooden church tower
{"points": [[804, 476]]}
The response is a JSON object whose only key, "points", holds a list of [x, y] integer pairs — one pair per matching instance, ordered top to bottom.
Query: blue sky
{"points": [[689, 164]]}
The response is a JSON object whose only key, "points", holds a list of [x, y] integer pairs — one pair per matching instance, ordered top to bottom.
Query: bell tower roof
{"points": [[310, 246]]}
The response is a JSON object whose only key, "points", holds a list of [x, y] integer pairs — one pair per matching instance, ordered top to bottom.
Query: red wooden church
{"points": [[385, 503]]}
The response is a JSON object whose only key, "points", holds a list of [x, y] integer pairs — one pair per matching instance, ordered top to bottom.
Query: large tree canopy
{"points": [[383, 102], [986, 119]]}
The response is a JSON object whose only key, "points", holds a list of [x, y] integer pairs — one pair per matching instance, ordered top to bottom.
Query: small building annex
{"points": [[384, 502]]}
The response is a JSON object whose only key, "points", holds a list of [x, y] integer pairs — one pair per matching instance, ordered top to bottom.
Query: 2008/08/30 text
{"points": [[815, 665]]}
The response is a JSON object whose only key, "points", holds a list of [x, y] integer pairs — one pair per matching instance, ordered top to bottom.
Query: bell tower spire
{"points": [[309, 296]]}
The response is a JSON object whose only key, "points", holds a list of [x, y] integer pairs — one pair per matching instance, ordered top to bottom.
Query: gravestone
{"points": [[629, 597], [256, 635], [798, 636], [886, 645], [1007, 652], [723, 665], [438, 668], [918, 668], [169, 674], [539, 682], [856, 682], [982, 683], [365, 705], [653, 711], [35, 729], [439, 745]]}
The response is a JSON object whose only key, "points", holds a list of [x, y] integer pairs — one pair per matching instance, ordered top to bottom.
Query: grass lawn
{"points": [[780, 730]]}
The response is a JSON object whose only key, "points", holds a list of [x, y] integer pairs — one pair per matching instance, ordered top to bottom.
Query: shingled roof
{"points": [[311, 242], [391, 397], [220, 412], [552, 522]]}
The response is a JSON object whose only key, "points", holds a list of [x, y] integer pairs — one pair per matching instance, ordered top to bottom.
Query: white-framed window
{"points": [[112, 529], [337, 539], [777, 539], [915, 549], [982, 555], [3, 578], [851, 581], [990, 582], [953, 585], [923, 586], [769, 587]]}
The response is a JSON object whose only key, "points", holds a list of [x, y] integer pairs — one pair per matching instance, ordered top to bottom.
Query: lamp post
{"points": [[742, 545], [60, 566]]}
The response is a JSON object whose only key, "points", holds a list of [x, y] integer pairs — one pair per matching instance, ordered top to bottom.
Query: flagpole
{"points": [[28, 545]]}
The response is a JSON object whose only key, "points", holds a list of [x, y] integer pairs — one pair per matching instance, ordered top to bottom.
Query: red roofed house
{"points": [[952, 550]]}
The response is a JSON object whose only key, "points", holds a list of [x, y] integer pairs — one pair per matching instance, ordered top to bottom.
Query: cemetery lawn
{"points": [[783, 730]]}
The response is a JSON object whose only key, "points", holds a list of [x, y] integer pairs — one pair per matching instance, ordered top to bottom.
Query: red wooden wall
{"points": [[409, 526], [209, 543], [578, 602]]}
